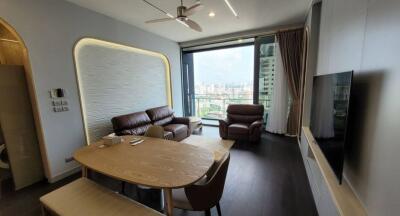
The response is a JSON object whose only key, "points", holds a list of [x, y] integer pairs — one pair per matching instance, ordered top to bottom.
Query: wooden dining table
{"points": [[156, 163]]}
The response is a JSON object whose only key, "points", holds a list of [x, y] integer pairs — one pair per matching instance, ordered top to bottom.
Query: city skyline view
{"points": [[224, 66], [226, 76]]}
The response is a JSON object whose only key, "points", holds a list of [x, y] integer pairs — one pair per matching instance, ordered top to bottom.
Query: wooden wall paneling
{"points": [[9, 33], [10, 52], [18, 127]]}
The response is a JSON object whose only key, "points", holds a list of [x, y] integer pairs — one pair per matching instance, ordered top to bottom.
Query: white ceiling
{"points": [[253, 14]]}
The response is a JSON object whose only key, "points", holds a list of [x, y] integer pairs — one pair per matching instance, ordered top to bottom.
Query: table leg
{"points": [[84, 171], [162, 200], [169, 205]]}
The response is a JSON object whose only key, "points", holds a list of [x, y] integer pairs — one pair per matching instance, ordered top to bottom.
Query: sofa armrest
{"points": [[181, 120], [255, 126], [223, 128], [255, 131]]}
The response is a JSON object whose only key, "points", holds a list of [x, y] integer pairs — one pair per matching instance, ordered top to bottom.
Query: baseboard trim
{"points": [[65, 174]]}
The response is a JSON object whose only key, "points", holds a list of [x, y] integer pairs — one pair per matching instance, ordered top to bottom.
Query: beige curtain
{"points": [[291, 45]]}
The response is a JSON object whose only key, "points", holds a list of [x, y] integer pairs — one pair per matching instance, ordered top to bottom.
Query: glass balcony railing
{"points": [[215, 106]]}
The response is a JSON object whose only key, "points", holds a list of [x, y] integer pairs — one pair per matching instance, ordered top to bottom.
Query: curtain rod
{"points": [[236, 36]]}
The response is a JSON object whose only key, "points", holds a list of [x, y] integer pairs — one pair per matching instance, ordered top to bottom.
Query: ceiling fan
{"points": [[182, 15]]}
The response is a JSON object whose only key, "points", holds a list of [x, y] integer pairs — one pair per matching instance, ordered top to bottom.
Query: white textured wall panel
{"points": [[116, 80]]}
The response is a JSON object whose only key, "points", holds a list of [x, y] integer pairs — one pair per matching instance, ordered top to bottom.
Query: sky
{"points": [[230, 66]]}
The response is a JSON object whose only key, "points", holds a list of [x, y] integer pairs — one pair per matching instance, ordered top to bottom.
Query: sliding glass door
{"points": [[217, 77]]}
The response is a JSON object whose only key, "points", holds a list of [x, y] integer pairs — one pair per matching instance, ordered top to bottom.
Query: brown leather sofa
{"points": [[164, 116], [243, 122], [175, 128]]}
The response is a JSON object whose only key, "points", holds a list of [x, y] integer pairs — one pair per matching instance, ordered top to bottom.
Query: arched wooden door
{"points": [[19, 121]]}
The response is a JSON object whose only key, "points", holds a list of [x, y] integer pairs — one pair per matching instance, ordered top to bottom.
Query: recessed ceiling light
{"points": [[231, 8], [211, 14]]}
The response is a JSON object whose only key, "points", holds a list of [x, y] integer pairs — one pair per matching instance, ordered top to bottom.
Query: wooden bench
{"points": [[85, 197]]}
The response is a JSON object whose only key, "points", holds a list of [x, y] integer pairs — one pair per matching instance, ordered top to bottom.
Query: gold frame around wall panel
{"points": [[108, 44]]}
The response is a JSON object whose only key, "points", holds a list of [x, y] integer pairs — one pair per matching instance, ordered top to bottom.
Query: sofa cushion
{"points": [[245, 109], [245, 113], [160, 115], [246, 119], [164, 121], [134, 123], [176, 128], [238, 128], [141, 130]]}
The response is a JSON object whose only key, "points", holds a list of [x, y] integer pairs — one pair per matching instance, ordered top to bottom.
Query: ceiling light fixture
{"points": [[231, 8], [211, 14]]}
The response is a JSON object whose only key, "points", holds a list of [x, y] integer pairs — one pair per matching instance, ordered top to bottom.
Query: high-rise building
{"points": [[267, 73]]}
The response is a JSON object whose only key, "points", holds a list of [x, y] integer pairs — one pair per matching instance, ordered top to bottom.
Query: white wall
{"points": [[50, 28], [363, 36]]}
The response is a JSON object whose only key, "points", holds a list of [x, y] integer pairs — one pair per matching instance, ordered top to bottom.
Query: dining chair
{"points": [[155, 132], [205, 194]]}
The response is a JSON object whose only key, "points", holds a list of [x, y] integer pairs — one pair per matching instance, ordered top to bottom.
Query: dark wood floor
{"points": [[264, 179]]}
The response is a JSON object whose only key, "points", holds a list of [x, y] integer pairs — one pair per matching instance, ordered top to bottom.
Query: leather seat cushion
{"points": [[247, 119], [164, 121], [176, 128], [238, 128], [141, 130]]}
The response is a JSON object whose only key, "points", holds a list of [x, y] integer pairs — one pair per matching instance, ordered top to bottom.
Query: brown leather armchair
{"points": [[164, 116], [243, 122]]}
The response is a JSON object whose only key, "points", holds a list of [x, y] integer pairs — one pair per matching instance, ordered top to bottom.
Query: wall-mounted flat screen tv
{"points": [[329, 116]]}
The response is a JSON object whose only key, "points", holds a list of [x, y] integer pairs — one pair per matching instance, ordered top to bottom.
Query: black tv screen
{"points": [[329, 116]]}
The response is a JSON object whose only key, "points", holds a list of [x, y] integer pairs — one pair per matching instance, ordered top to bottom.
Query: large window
{"points": [[217, 77], [222, 77]]}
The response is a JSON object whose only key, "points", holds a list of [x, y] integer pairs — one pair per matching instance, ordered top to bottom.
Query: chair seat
{"points": [[176, 128], [238, 128], [179, 196], [180, 199]]}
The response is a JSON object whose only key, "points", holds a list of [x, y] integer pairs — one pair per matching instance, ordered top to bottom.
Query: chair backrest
{"points": [[245, 113], [161, 115], [131, 124], [155, 132], [206, 196]]}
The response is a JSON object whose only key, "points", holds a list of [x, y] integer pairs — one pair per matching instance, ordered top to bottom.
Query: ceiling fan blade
{"points": [[159, 9], [193, 9], [159, 20], [193, 25]]}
